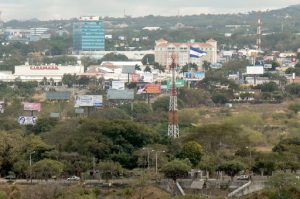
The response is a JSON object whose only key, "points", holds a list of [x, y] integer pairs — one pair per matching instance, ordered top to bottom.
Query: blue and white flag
{"points": [[196, 52]]}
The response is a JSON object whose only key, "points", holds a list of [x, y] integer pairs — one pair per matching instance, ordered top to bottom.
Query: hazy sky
{"points": [[57, 9]]}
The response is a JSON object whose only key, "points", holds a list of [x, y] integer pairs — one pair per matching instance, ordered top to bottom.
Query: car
{"points": [[10, 177], [243, 177], [73, 178]]}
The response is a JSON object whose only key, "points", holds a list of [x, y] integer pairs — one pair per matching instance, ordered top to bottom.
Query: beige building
{"points": [[164, 50]]}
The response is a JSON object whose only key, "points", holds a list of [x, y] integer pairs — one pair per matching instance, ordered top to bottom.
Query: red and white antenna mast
{"points": [[259, 33], [173, 127]]}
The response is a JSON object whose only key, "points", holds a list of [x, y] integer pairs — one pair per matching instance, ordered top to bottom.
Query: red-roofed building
{"points": [[164, 50]]}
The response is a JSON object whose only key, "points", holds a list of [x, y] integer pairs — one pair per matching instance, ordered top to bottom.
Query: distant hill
{"points": [[273, 21]]}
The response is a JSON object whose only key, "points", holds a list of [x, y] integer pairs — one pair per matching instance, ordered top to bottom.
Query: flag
{"points": [[196, 52]]}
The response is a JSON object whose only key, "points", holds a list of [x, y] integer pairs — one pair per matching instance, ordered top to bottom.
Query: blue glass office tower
{"points": [[88, 34]]}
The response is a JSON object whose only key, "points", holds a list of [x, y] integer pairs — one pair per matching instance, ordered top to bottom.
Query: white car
{"points": [[243, 177], [73, 178]]}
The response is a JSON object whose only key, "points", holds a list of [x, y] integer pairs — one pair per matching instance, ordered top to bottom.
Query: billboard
{"points": [[268, 66], [128, 69], [255, 70], [194, 76], [135, 77], [147, 77], [179, 83], [119, 85], [153, 88], [120, 94], [65, 95], [88, 100], [1, 106], [32, 106], [79, 110], [54, 115], [27, 120]]}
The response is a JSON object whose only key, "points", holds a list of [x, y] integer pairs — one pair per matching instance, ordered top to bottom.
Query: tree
{"points": [[114, 57], [148, 59], [60, 60], [88, 61], [206, 65], [275, 65], [235, 66], [137, 67], [159, 67], [189, 67], [147, 69], [69, 79], [84, 80], [269, 87], [293, 89], [194, 97], [220, 98], [161, 104], [295, 107], [137, 110], [43, 125], [192, 151], [208, 163], [264, 166], [231, 168], [45, 169], [109, 169], [176, 169], [284, 186]]}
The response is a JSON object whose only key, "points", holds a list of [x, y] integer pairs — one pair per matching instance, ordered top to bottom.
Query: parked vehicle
{"points": [[10, 177], [243, 177], [73, 178]]}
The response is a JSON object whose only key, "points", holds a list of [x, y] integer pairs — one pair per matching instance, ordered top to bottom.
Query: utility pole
{"points": [[148, 159], [156, 162], [30, 165], [94, 166]]}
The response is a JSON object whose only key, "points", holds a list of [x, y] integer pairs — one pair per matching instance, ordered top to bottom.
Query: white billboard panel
{"points": [[128, 69], [255, 70], [147, 77], [118, 85], [120, 94], [88, 100], [1, 106], [54, 115], [27, 120]]}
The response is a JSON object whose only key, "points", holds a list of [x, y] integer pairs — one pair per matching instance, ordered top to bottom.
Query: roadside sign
{"points": [[27, 120]]}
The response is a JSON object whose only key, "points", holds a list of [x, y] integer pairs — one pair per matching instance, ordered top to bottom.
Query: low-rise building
{"points": [[39, 72]]}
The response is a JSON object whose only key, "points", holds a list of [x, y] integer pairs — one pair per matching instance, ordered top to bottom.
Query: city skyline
{"points": [[56, 9]]}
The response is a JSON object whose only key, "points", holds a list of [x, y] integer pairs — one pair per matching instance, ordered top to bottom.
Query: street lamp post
{"points": [[156, 157], [250, 157], [148, 159], [30, 163]]}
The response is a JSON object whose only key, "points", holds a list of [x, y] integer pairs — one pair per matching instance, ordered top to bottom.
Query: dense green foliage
{"points": [[192, 151], [176, 169]]}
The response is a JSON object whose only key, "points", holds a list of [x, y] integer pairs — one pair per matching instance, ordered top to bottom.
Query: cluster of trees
{"points": [[16, 53]]}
